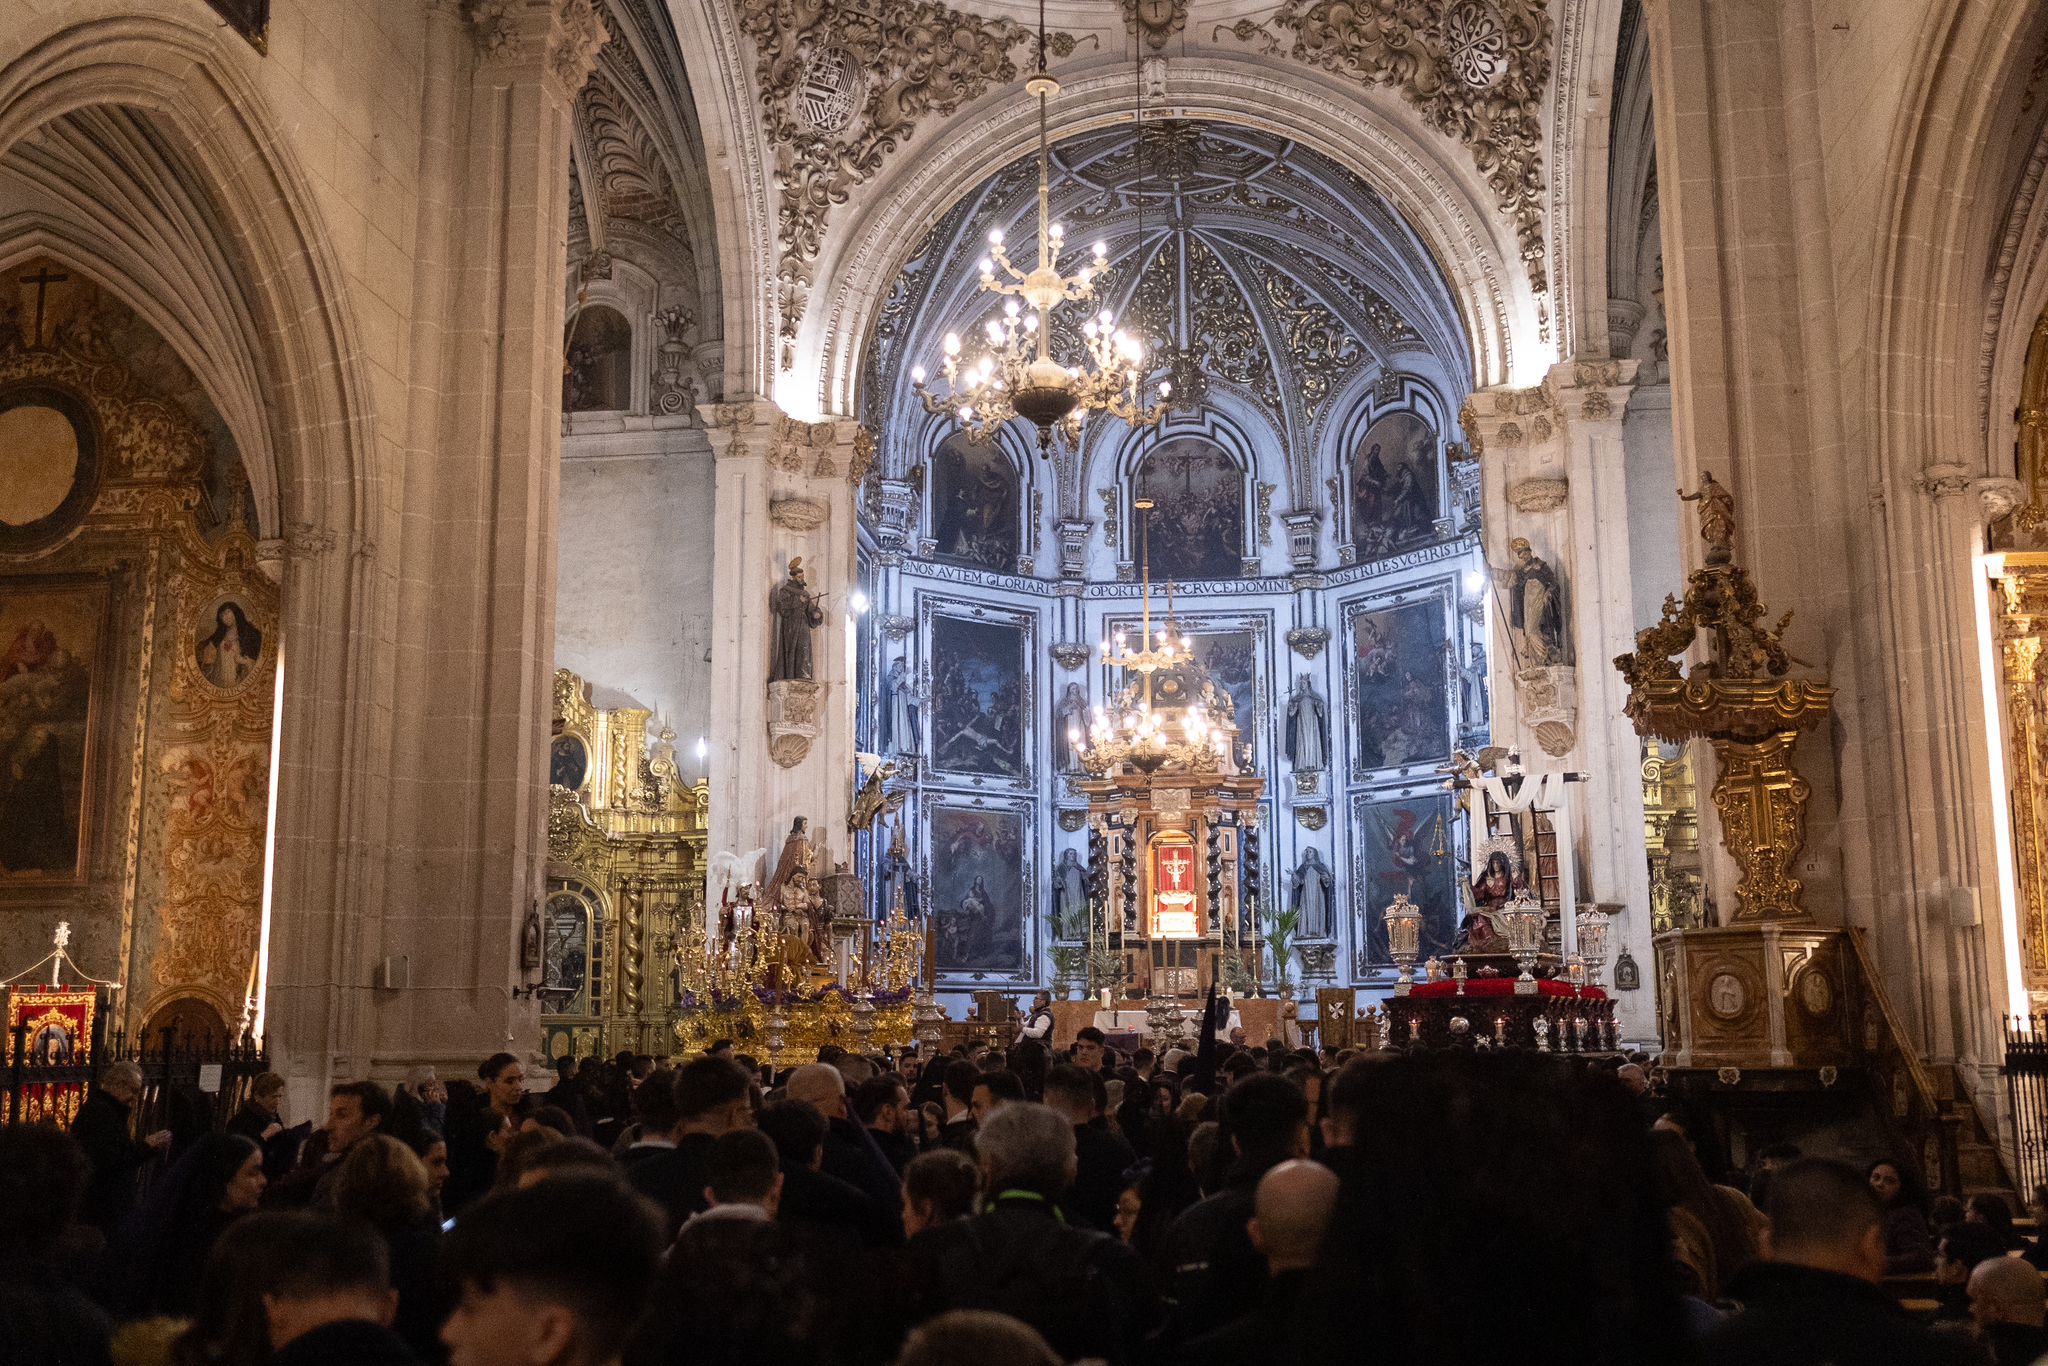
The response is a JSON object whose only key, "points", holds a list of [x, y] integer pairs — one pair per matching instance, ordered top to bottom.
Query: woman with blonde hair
{"points": [[384, 1184]]}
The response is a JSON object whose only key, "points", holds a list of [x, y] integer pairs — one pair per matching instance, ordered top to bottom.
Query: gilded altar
{"points": [[140, 634], [625, 879]]}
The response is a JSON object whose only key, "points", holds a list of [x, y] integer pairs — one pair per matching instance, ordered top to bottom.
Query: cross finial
{"points": [[61, 940]]}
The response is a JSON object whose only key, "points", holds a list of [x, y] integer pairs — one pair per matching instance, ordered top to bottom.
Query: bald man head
{"points": [[819, 1084], [1290, 1213], [2007, 1290]]}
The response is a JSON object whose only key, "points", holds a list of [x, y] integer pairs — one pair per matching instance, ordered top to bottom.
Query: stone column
{"points": [[1593, 396], [783, 491], [457, 644]]}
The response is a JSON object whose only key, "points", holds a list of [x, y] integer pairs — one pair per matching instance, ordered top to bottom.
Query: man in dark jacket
{"points": [[882, 1105], [682, 1115], [102, 1129], [957, 1129], [850, 1151], [1101, 1155], [1292, 1212], [835, 1217], [1212, 1268], [1083, 1291], [1819, 1298]]}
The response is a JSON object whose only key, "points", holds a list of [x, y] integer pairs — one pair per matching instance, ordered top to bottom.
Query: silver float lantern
{"points": [[1524, 917], [1404, 939]]}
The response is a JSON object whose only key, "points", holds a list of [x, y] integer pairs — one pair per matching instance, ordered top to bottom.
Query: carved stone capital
{"points": [[562, 35], [1943, 480], [1539, 495], [1301, 537], [1073, 541], [896, 626], [1069, 654], [792, 720]]}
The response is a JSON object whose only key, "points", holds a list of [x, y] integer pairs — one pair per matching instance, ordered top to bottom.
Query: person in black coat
{"points": [[882, 1105], [681, 1115], [850, 1153], [117, 1157], [1102, 1157], [1292, 1212], [838, 1218], [154, 1262], [1213, 1271], [295, 1287], [1082, 1290], [1820, 1298], [44, 1317]]}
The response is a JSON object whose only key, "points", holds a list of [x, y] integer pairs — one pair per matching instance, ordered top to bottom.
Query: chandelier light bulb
{"points": [[1057, 231], [995, 237], [1102, 251], [988, 270], [1012, 309], [1106, 318], [1030, 322], [1088, 329], [995, 332], [952, 343], [917, 374], [1165, 388], [966, 414]]}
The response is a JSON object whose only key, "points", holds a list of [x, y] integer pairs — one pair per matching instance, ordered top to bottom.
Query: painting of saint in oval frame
{"points": [[226, 644]]}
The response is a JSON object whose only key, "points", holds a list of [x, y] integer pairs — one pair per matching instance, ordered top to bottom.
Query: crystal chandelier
{"points": [[1018, 376], [1131, 730]]}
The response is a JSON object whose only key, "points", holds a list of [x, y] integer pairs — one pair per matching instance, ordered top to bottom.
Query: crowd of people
{"points": [[985, 1207]]}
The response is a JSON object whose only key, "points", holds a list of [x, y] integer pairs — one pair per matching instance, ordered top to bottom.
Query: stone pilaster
{"points": [[783, 492], [456, 645]]}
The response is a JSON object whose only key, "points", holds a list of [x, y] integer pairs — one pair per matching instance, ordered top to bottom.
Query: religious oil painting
{"points": [[1394, 484], [974, 504], [1197, 519], [50, 634], [227, 645], [1232, 659], [977, 696], [1402, 709], [568, 762], [1405, 847], [978, 894], [565, 956]]}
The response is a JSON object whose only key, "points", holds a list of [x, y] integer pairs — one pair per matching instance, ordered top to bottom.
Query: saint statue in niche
{"points": [[1536, 606], [797, 614], [229, 651], [899, 710], [1070, 719], [1308, 727], [1312, 890], [1070, 898]]}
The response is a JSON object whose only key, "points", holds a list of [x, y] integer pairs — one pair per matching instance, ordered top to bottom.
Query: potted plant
{"points": [[1280, 939], [1068, 964]]}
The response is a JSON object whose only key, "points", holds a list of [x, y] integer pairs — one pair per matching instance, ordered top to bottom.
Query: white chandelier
{"points": [[1018, 376], [1130, 730]]}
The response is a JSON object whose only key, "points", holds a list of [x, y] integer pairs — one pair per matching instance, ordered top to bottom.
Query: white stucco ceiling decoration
{"points": [[1244, 259]]}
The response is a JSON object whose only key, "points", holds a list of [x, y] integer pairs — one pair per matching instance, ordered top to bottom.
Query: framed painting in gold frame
{"points": [[54, 632]]}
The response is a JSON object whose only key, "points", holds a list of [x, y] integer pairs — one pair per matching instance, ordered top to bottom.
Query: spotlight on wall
{"points": [[1474, 583], [858, 602]]}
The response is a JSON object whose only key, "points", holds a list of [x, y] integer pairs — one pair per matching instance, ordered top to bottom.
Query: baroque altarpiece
{"points": [[139, 649], [626, 864]]}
